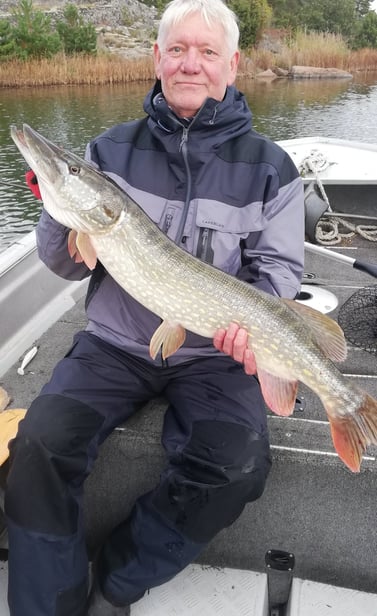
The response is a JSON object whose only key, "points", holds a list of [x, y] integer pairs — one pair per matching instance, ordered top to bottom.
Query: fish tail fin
{"points": [[352, 433]]}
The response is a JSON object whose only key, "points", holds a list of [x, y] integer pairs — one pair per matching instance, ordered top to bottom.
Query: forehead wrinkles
{"points": [[203, 35]]}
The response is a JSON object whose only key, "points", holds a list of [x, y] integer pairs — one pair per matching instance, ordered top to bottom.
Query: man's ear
{"points": [[157, 60], [234, 61]]}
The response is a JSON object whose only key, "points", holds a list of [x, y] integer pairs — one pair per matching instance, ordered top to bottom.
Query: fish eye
{"points": [[74, 170]]}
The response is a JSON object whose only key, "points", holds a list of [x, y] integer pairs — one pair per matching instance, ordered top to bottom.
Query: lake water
{"points": [[71, 116]]}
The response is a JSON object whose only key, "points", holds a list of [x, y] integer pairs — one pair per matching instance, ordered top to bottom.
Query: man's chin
{"points": [[187, 107]]}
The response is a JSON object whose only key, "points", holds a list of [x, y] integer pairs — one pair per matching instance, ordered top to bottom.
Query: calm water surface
{"points": [[71, 116]]}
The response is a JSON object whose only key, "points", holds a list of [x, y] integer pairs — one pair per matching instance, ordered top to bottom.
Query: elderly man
{"points": [[232, 198]]}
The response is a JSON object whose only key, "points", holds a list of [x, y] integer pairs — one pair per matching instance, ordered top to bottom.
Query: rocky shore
{"points": [[125, 27], [128, 28], [304, 72]]}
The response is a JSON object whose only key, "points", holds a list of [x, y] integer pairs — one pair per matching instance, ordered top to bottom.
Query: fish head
{"points": [[73, 191]]}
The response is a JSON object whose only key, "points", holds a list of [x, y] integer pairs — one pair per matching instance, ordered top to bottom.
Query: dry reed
{"points": [[323, 50], [74, 70]]}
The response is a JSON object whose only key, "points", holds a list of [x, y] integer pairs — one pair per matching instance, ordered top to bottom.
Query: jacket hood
{"points": [[230, 117]]}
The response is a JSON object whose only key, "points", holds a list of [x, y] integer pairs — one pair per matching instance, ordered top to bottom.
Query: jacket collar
{"points": [[231, 116]]}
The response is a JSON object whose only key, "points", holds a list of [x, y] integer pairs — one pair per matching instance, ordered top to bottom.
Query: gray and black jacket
{"points": [[220, 190]]}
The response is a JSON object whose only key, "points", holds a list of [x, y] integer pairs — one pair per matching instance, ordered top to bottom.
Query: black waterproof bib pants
{"points": [[217, 449]]}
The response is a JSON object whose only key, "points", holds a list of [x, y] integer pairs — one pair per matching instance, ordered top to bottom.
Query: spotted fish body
{"points": [[291, 342]]}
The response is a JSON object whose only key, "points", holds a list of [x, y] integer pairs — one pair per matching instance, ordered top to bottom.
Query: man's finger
{"points": [[230, 334], [218, 339], [240, 345], [249, 362]]}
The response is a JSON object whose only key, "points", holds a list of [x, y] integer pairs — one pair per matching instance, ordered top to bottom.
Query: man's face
{"points": [[194, 64]]}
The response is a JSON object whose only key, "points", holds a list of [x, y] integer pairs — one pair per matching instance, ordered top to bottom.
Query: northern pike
{"points": [[291, 342]]}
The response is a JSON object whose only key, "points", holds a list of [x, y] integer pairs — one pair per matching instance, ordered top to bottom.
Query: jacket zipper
{"points": [[180, 239]]}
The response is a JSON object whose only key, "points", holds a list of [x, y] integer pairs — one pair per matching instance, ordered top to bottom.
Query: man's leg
{"points": [[93, 389], [215, 436]]}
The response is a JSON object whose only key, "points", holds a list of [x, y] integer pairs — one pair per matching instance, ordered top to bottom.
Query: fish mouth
{"points": [[41, 155], [50, 163]]}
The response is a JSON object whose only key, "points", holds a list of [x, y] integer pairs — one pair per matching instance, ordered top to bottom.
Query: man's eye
{"points": [[175, 50], [209, 52]]}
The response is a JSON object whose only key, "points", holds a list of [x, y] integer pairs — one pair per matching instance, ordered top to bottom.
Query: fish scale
{"points": [[290, 341]]}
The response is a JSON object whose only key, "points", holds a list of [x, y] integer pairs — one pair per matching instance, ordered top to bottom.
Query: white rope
{"points": [[315, 162], [329, 229]]}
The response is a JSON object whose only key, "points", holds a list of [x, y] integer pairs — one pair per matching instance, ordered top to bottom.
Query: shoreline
{"points": [[125, 67]]}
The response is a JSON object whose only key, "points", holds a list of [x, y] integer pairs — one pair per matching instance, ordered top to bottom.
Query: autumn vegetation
{"points": [[36, 52]]}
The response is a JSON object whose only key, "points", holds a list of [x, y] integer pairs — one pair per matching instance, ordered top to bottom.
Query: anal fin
{"points": [[279, 394]]}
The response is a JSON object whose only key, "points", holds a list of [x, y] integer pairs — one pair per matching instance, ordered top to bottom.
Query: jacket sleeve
{"points": [[52, 246], [273, 258]]}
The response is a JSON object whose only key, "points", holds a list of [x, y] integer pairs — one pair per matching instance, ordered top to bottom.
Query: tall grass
{"points": [[305, 49], [323, 50], [73, 70]]}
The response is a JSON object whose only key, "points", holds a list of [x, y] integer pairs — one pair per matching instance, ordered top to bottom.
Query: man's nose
{"points": [[191, 61]]}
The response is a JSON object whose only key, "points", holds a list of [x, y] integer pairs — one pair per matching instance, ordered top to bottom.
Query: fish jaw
{"points": [[73, 192]]}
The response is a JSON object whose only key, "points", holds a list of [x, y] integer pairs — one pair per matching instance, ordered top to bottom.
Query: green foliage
{"points": [[158, 4], [362, 7], [285, 13], [253, 16], [336, 16], [32, 33], [76, 35], [366, 35], [7, 44]]}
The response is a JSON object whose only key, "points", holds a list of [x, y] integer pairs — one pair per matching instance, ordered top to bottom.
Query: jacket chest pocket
{"points": [[220, 229]]}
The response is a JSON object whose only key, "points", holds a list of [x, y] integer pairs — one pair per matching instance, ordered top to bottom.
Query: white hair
{"points": [[214, 12]]}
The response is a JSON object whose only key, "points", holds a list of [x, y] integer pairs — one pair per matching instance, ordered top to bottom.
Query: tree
{"points": [[362, 7], [286, 13], [253, 16], [337, 16], [32, 33], [76, 35], [366, 35], [7, 44]]}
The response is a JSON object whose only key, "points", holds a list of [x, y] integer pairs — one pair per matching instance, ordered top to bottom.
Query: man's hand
{"points": [[233, 342]]}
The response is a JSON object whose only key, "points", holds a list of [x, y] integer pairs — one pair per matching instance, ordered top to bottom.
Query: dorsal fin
{"points": [[326, 332]]}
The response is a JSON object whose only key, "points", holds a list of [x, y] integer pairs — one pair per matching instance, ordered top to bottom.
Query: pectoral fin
{"points": [[80, 249], [169, 336], [279, 394]]}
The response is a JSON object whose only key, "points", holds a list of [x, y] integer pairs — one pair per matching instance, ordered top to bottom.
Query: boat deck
{"points": [[340, 161], [312, 506], [208, 591]]}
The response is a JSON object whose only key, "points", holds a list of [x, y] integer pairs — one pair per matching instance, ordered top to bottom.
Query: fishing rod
{"points": [[332, 214], [363, 266]]}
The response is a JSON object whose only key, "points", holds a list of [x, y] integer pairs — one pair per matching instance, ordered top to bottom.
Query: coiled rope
{"points": [[331, 230]]}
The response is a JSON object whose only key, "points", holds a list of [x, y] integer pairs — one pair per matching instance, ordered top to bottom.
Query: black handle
{"points": [[279, 566]]}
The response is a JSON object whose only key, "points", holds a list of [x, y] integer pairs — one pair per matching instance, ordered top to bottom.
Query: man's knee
{"points": [[59, 424], [48, 453], [223, 467]]}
